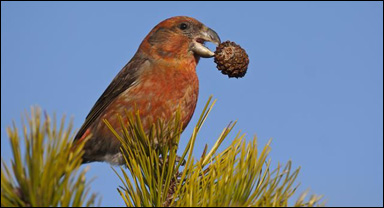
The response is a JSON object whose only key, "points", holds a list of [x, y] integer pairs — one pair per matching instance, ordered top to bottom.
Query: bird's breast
{"points": [[159, 93]]}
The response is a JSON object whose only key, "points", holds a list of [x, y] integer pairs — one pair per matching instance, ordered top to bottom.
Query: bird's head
{"points": [[179, 37]]}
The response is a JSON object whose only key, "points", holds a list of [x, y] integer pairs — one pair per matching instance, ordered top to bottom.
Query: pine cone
{"points": [[231, 59]]}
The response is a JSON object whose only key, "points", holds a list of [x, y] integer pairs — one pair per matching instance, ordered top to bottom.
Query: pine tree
{"points": [[153, 175]]}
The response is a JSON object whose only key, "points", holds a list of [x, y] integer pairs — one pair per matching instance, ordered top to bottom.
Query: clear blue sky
{"points": [[314, 83]]}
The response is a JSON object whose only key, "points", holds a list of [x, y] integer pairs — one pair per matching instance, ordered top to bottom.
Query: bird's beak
{"points": [[206, 34]]}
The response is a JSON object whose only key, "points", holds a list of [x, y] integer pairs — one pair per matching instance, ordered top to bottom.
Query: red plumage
{"points": [[160, 78]]}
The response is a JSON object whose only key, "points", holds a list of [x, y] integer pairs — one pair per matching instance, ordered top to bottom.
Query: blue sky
{"points": [[314, 83]]}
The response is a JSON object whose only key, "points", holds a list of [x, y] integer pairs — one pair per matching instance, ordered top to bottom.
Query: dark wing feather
{"points": [[119, 84]]}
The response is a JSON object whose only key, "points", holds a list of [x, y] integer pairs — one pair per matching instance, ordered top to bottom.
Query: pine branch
{"points": [[44, 167], [238, 176]]}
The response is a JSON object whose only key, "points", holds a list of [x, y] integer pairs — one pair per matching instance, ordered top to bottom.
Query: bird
{"points": [[159, 79]]}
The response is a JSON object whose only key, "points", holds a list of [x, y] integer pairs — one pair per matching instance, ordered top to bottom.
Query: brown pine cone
{"points": [[231, 59]]}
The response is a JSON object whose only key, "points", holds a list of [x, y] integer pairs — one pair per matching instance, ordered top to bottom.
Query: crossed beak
{"points": [[206, 35]]}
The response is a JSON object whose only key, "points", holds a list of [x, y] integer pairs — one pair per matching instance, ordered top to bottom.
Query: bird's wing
{"points": [[119, 84]]}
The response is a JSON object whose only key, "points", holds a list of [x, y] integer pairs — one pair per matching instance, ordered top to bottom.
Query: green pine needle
{"points": [[44, 167], [238, 176]]}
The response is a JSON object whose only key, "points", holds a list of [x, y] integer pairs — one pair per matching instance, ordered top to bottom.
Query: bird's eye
{"points": [[183, 26]]}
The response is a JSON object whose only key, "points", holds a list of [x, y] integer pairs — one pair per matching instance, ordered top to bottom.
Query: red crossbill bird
{"points": [[159, 79]]}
